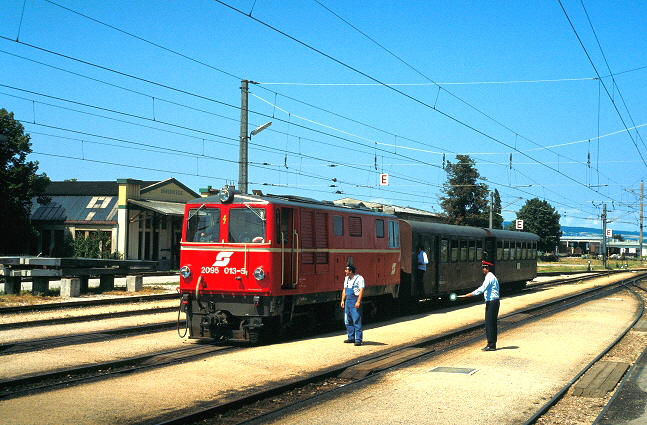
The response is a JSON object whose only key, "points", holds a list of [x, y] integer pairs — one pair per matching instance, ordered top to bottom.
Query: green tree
{"points": [[19, 184], [466, 200], [540, 218]]}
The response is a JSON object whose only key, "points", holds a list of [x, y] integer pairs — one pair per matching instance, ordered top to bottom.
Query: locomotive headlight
{"points": [[185, 271], [259, 273]]}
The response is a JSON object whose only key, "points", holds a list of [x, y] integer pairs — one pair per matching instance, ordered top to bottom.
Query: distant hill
{"points": [[586, 231]]}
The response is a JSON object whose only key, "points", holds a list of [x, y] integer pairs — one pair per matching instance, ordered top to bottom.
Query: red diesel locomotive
{"points": [[252, 265]]}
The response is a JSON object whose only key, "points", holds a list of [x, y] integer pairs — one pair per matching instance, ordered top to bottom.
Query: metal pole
{"points": [[242, 157], [491, 207], [604, 236], [640, 252]]}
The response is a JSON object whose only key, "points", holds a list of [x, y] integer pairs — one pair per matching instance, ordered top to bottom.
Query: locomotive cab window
{"points": [[203, 225], [247, 225], [394, 234]]}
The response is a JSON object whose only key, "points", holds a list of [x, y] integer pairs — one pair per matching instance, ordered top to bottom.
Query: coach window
{"points": [[203, 225], [247, 225], [338, 225], [379, 228], [394, 234], [454, 246], [464, 247], [444, 250], [479, 250], [514, 250], [524, 251], [472, 253]]}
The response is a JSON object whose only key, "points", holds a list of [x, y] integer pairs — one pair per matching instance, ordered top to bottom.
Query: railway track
{"points": [[77, 375], [345, 375], [256, 407]]}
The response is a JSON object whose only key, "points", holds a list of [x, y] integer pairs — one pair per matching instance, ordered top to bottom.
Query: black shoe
{"points": [[349, 341], [358, 343], [488, 349]]}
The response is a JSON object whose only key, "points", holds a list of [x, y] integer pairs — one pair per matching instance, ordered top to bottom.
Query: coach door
{"points": [[286, 239]]}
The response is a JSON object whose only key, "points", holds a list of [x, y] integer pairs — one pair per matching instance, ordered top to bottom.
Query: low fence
{"points": [[74, 273]]}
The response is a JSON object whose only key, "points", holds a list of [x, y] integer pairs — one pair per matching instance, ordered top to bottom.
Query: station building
{"points": [[142, 219], [592, 245]]}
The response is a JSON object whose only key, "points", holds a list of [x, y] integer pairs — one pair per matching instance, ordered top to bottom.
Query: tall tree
{"points": [[20, 184], [465, 200], [497, 218], [540, 218]]}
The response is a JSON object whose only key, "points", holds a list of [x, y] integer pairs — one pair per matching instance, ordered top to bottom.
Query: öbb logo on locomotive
{"points": [[222, 259]]}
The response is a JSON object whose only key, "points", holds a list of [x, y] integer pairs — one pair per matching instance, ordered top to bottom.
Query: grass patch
{"points": [[572, 264]]}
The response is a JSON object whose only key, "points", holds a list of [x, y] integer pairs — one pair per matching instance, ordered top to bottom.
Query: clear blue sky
{"points": [[151, 90]]}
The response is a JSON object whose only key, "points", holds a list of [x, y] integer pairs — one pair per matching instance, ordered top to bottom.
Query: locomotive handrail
{"points": [[296, 239], [246, 254], [282, 260]]}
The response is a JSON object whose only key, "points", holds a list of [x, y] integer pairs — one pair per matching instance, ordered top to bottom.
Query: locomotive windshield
{"points": [[203, 225], [247, 225]]}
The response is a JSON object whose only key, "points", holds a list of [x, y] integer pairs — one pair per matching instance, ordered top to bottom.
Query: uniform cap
{"points": [[486, 264]]}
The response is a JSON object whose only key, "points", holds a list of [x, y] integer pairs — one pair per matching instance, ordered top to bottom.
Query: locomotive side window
{"points": [[203, 225], [247, 225], [338, 225], [355, 226], [379, 228], [394, 234], [444, 250]]}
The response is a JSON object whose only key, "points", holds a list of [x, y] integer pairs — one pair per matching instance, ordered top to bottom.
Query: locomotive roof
{"points": [[290, 200]]}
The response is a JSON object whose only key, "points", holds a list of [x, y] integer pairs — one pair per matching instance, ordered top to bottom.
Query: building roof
{"points": [[95, 188], [97, 201], [161, 207], [76, 208]]}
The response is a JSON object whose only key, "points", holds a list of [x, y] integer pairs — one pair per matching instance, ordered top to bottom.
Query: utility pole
{"points": [[243, 152], [491, 208], [604, 236], [640, 251]]}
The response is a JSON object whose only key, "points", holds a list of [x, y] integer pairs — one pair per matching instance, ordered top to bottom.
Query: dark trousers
{"points": [[419, 284], [491, 313]]}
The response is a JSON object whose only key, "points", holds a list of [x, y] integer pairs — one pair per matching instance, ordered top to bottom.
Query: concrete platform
{"points": [[475, 387], [629, 404]]}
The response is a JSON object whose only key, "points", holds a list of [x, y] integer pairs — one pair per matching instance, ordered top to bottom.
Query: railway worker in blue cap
{"points": [[490, 291], [351, 302]]}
